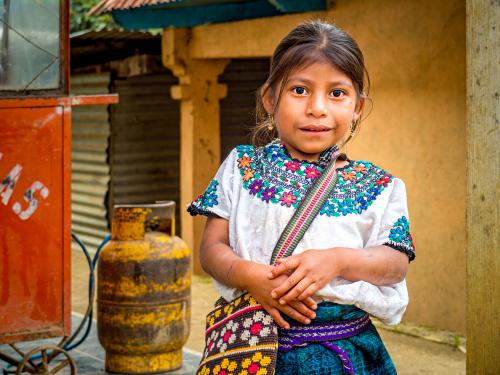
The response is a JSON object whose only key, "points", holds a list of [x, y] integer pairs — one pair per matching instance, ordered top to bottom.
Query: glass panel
{"points": [[29, 41]]}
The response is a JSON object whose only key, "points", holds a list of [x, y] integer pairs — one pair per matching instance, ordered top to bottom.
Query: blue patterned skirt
{"points": [[366, 350]]}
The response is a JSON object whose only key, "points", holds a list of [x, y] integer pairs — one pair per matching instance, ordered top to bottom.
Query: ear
{"points": [[268, 99], [360, 105]]}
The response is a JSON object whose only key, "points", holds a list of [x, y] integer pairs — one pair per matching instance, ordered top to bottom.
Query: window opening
{"points": [[30, 45]]}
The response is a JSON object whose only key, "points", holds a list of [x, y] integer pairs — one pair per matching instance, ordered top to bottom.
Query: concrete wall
{"points": [[415, 53]]}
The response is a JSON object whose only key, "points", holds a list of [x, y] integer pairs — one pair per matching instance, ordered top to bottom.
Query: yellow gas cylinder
{"points": [[143, 291]]}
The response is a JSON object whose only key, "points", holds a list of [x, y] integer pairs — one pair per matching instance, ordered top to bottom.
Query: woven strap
{"points": [[304, 215]]}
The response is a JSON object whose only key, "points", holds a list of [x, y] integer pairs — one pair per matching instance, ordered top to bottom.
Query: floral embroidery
{"points": [[244, 162], [292, 166], [360, 168], [312, 173], [248, 174], [271, 175], [349, 176], [384, 180], [256, 186], [269, 193], [288, 199], [206, 200], [400, 237], [256, 327], [249, 328], [214, 335], [228, 335], [255, 365], [225, 368]]}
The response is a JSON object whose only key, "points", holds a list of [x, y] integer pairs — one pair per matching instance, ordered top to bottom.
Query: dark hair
{"points": [[309, 42]]}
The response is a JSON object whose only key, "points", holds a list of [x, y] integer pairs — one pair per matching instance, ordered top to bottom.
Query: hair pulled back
{"points": [[309, 42]]}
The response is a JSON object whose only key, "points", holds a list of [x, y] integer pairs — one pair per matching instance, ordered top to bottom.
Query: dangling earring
{"points": [[270, 122], [354, 126]]}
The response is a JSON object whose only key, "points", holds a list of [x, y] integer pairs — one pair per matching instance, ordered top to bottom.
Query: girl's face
{"points": [[316, 109]]}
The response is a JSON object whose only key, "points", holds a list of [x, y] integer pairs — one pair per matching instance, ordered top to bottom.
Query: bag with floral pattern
{"points": [[241, 337]]}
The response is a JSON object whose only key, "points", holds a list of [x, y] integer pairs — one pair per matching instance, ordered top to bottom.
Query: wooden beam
{"points": [[483, 253]]}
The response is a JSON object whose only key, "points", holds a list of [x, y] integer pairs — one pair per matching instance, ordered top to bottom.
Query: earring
{"points": [[270, 122], [354, 126]]}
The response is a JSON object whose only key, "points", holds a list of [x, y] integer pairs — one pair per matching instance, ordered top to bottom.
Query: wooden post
{"points": [[199, 94], [483, 253]]}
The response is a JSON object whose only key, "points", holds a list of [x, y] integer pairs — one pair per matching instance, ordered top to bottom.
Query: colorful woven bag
{"points": [[241, 336]]}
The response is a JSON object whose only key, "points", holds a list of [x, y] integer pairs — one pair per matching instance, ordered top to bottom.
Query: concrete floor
{"points": [[411, 355], [89, 356]]}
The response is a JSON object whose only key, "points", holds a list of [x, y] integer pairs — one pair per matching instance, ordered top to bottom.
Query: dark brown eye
{"points": [[299, 90], [337, 93]]}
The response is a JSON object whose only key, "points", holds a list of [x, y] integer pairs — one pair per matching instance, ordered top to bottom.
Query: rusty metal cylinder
{"points": [[143, 291]]}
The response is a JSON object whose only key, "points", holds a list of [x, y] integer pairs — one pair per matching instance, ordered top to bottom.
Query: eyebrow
{"points": [[333, 83]]}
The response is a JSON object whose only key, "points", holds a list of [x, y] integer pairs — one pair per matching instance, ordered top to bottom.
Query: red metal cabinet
{"points": [[35, 170], [35, 218]]}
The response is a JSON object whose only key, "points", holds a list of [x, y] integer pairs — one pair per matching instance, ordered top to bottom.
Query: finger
{"points": [[285, 265], [289, 283], [296, 291], [309, 292], [310, 302], [303, 309], [295, 314], [278, 319]]}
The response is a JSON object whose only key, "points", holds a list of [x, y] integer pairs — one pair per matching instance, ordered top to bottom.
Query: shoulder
{"points": [[244, 149], [240, 156], [250, 157], [366, 172], [372, 181], [361, 185]]}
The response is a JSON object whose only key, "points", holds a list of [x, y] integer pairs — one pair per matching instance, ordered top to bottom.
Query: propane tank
{"points": [[143, 291]]}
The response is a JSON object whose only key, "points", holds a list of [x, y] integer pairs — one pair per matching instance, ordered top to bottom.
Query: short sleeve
{"points": [[216, 200], [395, 224]]}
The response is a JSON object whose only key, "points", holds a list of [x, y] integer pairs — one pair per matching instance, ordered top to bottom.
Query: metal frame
{"points": [[64, 69]]}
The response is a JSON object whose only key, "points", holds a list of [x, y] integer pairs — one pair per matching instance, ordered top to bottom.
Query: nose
{"points": [[317, 105]]}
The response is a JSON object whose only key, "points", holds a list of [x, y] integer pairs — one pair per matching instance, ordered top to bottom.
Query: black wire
{"points": [[92, 265], [88, 314]]}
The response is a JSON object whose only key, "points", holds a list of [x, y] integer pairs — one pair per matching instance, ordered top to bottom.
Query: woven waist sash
{"points": [[323, 333]]}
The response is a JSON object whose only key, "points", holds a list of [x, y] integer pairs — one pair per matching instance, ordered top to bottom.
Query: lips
{"points": [[315, 128]]}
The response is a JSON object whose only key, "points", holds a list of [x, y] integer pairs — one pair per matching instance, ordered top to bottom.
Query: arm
{"points": [[220, 261], [313, 269]]}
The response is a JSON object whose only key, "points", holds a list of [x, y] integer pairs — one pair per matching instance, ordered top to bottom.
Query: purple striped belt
{"points": [[323, 333]]}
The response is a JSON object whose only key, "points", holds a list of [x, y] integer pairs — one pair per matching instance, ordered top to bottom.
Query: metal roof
{"points": [[109, 5], [111, 35]]}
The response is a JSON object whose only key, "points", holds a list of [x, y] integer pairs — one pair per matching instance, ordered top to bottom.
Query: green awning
{"points": [[140, 14]]}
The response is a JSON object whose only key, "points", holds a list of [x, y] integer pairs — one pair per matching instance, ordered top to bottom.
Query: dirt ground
{"points": [[411, 355]]}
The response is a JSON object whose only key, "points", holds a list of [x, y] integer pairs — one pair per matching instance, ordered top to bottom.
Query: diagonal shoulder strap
{"points": [[306, 212]]}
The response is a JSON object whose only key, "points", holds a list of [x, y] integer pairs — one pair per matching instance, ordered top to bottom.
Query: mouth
{"points": [[315, 128]]}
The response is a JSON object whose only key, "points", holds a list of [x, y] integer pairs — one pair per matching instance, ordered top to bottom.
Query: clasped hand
{"points": [[307, 272], [291, 284]]}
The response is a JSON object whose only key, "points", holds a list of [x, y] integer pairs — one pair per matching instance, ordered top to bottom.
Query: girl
{"points": [[353, 258]]}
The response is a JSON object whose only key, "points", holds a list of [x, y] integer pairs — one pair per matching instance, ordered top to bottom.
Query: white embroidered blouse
{"points": [[258, 189]]}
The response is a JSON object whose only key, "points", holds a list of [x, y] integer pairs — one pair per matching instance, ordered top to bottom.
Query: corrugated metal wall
{"points": [[243, 78], [145, 142], [90, 169]]}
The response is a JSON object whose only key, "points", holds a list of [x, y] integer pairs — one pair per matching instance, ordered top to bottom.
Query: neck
{"points": [[310, 157]]}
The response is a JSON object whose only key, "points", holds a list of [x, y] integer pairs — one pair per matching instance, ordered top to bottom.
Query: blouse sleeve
{"points": [[216, 200], [395, 225]]}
